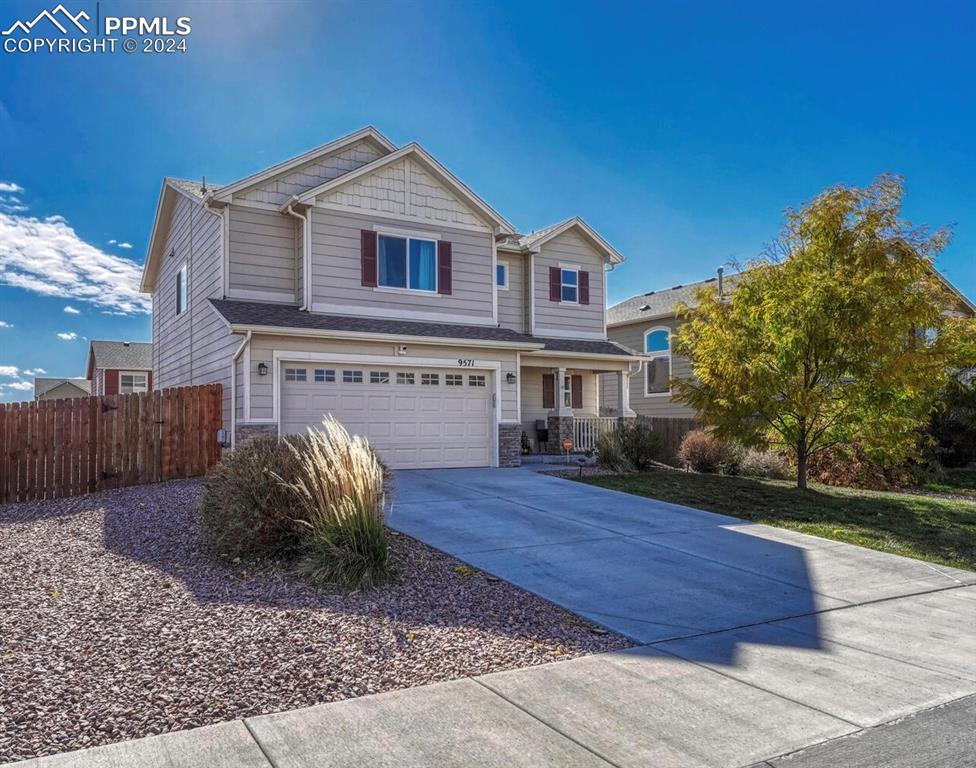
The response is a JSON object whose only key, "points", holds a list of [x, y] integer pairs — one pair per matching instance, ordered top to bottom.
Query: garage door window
{"points": [[295, 374], [324, 375], [352, 377], [379, 377], [405, 378], [430, 379], [453, 379], [476, 381]]}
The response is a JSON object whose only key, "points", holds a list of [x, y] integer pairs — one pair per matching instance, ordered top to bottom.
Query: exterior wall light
{"points": [[262, 369], [510, 377]]}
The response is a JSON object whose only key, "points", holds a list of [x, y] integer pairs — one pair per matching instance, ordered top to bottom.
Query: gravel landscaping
{"points": [[116, 625]]}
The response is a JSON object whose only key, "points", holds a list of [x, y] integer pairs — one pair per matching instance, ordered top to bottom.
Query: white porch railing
{"points": [[586, 430]]}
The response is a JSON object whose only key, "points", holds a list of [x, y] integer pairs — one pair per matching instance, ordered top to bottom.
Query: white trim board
{"points": [[399, 314]]}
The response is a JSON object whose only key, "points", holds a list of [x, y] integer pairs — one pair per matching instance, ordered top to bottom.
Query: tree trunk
{"points": [[801, 466]]}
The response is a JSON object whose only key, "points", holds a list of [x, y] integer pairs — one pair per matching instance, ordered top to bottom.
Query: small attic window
{"points": [[181, 290]]}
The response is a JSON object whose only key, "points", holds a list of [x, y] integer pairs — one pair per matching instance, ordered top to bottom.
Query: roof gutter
{"points": [[274, 330]]}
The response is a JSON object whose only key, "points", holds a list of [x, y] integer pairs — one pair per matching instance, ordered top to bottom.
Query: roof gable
{"points": [[367, 136], [409, 183], [171, 192], [535, 240], [119, 355], [46, 384]]}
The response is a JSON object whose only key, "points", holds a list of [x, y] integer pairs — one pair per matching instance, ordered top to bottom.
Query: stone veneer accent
{"points": [[560, 427], [248, 432], [509, 445]]}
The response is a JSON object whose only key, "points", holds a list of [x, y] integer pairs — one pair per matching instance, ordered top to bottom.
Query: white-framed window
{"points": [[406, 262], [501, 275], [569, 285], [182, 294], [657, 345], [295, 374], [324, 375], [352, 377], [379, 377], [404, 378], [430, 379], [453, 379], [476, 380], [133, 381], [568, 391]]}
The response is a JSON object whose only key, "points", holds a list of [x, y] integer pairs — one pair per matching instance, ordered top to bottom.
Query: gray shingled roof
{"points": [[194, 188], [660, 303], [286, 316], [124, 355], [46, 384]]}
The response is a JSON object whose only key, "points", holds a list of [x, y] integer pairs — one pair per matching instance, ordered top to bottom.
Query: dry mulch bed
{"points": [[115, 624]]}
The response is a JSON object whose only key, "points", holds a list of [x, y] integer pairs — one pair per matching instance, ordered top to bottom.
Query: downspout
{"points": [[306, 251], [233, 389]]}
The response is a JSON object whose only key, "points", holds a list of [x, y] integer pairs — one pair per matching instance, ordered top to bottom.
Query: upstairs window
{"points": [[407, 262], [501, 276], [569, 285], [181, 291], [657, 345]]}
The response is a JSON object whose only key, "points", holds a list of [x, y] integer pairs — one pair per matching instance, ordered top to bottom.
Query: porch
{"points": [[559, 403]]}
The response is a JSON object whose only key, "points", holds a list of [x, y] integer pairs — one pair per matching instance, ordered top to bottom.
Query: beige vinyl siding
{"points": [[313, 174], [404, 189], [263, 254], [337, 278], [511, 302], [561, 317], [195, 347], [263, 348], [61, 392], [646, 405]]}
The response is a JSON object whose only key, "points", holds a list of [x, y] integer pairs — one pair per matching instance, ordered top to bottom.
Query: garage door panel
{"points": [[410, 425]]}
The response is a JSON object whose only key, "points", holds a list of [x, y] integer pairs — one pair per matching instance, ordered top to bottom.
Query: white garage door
{"points": [[415, 418]]}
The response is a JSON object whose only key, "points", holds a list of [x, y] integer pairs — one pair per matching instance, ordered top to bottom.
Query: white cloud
{"points": [[9, 186], [11, 204], [112, 242], [125, 245], [46, 256], [71, 310], [5, 324], [68, 335], [9, 370], [34, 372], [21, 385]]}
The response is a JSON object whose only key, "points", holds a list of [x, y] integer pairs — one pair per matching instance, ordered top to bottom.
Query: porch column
{"points": [[623, 396], [560, 420]]}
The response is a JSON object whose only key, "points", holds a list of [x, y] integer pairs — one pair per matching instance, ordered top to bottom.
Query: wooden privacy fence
{"points": [[672, 430], [55, 448]]}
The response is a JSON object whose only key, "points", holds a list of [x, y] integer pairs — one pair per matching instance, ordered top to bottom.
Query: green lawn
{"points": [[955, 481], [935, 529]]}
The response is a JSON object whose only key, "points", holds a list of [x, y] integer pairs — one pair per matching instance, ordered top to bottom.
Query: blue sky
{"points": [[680, 131]]}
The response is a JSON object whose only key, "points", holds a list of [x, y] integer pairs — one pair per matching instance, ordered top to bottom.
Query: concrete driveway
{"points": [[755, 647]]}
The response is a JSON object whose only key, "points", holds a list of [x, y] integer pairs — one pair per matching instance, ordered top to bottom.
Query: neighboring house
{"points": [[366, 281], [646, 322], [120, 367], [59, 389]]}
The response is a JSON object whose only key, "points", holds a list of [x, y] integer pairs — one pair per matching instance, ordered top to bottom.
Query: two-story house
{"points": [[366, 281]]}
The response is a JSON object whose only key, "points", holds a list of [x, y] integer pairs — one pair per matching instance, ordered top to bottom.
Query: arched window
{"points": [[657, 345]]}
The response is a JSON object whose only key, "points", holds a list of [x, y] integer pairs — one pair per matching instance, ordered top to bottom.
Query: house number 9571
{"points": [[465, 363]]}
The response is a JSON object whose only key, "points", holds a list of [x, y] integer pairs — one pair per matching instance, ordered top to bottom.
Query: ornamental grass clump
{"points": [[339, 485]]}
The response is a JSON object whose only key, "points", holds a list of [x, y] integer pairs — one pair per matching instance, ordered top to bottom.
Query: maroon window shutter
{"points": [[367, 239], [444, 267], [555, 284], [584, 287], [111, 382], [576, 384], [548, 390]]}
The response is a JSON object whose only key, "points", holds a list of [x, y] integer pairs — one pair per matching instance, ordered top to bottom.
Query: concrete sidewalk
{"points": [[754, 643], [657, 705]]}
